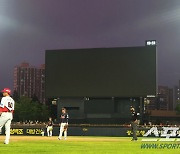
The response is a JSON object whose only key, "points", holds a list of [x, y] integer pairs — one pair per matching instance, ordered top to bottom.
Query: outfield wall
{"points": [[74, 131], [116, 131]]}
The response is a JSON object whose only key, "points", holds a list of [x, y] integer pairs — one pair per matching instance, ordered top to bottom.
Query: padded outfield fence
{"points": [[85, 130]]}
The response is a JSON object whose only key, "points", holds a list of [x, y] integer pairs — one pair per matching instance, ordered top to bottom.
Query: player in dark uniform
{"points": [[134, 123], [63, 124], [49, 127]]}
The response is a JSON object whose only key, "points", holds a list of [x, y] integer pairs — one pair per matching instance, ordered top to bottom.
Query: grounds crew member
{"points": [[6, 113]]}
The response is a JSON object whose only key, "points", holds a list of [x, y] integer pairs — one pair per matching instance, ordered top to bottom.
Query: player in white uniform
{"points": [[6, 112], [64, 124], [50, 127]]}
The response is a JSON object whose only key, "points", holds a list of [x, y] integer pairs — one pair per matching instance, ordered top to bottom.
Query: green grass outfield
{"points": [[83, 145]]}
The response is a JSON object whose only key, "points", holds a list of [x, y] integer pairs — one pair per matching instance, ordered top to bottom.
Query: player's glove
{"points": [[66, 127]]}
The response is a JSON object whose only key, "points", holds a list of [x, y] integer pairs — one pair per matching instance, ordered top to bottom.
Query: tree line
{"points": [[30, 109]]}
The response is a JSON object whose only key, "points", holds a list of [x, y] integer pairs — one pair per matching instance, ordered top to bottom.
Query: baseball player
{"points": [[6, 112], [134, 123], [64, 124], [49, 127]]}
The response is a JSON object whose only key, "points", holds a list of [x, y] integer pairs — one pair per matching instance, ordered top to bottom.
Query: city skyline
{"points": [[28, 28]]}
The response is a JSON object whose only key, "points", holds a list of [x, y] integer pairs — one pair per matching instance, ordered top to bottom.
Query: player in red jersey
{"points": [[6, 112]]}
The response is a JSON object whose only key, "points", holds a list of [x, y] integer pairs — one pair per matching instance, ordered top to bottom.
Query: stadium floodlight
{"points": [[150, 42]]}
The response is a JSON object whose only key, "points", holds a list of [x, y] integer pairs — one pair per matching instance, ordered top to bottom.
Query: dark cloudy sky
{"points": [[29, 27]]}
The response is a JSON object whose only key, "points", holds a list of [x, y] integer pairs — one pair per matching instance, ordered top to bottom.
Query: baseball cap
{"points": [[6, 90]]}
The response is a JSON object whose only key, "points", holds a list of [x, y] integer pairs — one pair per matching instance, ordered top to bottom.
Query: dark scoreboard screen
{"points": [[101, 72]]}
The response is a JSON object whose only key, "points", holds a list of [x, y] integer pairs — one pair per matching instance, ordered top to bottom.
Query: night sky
{"points": [[29, 27]]}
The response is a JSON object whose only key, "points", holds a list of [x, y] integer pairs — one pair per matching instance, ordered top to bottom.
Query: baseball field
{"points": [[85, 145]]}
